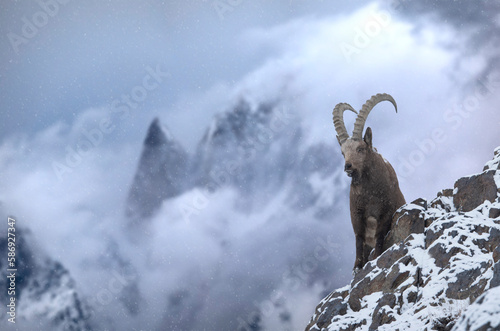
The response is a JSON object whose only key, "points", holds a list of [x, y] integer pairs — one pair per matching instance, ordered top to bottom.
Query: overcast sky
{"points": [[86, 55], [57, 62]]}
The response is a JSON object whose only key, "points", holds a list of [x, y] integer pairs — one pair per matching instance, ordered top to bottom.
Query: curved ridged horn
{"points": [[365, 110], [338, 120]]}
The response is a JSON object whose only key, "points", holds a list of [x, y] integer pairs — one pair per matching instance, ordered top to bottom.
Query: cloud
{"points": [[316, 63]]}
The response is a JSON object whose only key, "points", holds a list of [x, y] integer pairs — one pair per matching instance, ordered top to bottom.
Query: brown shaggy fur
{"points": [[374, 197]]}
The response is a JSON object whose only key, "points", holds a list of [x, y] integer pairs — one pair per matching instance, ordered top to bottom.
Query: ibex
{"points": [[375, 193]]}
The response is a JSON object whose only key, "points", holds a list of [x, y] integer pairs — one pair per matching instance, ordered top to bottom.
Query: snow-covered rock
{"points": [[250, 148], [441, 256], [46, 294], [482, 314]]}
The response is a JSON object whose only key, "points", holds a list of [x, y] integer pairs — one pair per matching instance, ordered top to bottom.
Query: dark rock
{"points": [[495, 163], [474, 190], [445, 193], [420, 202], [440, 202], [494, 213], [429, 220], [405, 222], [480, 229], [434, 233], [494, 239], [481, 243], [443, 254], [496, 254], [389, 257], [367, 268], [394, 279], [495, 280], [386, 281], [362, 288], [461, 288], [337, 294], [412, 297], [388, 299], [330, 307], [336, 307], [383, 313], [380, 317], [444, 323]]}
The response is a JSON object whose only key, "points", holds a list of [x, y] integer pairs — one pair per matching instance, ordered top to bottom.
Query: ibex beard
{"points": [[375, 194]]}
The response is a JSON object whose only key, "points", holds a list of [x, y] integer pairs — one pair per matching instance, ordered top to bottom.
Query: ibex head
{"points": [[355, 149]]}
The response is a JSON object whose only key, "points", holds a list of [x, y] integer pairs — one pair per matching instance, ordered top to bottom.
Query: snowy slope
{"points": [[444, 255]]}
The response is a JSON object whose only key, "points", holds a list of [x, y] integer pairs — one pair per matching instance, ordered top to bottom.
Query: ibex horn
{"points": [[338, 120]]}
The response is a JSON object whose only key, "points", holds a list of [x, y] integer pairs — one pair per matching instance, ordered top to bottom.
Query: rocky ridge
{"points": [[440, 269]]}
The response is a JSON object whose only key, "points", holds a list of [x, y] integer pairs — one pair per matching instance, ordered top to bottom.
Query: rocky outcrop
{"points": [[440, 268], [482, 314]]}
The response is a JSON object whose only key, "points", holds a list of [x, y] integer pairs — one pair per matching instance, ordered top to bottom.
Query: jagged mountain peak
{"points": [[239, 121], [157, 134], [257, 141], [161, 173], [442, 255]]}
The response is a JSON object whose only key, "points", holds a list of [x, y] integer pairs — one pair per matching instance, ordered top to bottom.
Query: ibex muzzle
{"points": [[375, 194]]}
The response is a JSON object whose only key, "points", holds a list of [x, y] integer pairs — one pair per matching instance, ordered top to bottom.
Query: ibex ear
{"points": [[368, 137], [338, 139]]}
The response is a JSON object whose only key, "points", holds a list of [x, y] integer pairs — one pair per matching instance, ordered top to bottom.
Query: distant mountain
{"points": [[255, 150], [161, 174], [441, 270], [46, 294]]}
